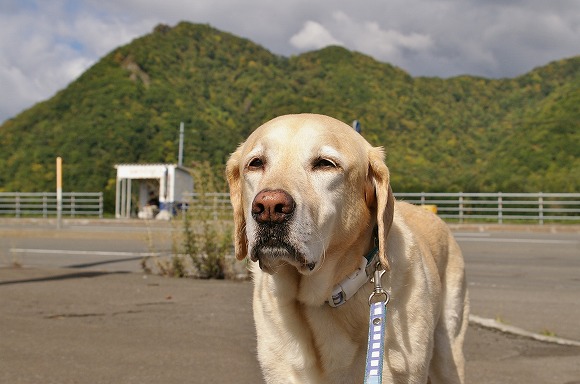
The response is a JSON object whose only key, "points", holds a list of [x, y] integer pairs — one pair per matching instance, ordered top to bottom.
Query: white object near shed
{"points": [[165, 183]]}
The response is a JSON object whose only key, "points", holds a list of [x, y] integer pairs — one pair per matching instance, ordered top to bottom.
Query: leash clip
{"points": [[379, 291]]}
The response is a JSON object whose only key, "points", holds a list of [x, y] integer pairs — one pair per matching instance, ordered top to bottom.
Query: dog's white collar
{"points": [[353, 282]]}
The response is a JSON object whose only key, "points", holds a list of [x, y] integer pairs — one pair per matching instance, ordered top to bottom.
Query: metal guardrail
{"points": [[220, 200], [44, 204], [216, 204], [461, 206], [500, 207]]}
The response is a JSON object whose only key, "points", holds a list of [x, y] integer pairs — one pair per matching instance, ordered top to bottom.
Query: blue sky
{"points": [[45, 44]]}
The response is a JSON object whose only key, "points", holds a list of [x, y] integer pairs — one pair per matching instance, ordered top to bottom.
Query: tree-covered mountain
{"points": [[458, 134]]}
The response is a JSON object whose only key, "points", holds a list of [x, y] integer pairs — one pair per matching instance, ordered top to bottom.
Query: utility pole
{"points": [[181, 132]]}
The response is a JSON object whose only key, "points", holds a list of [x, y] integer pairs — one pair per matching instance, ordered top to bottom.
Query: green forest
{"points": [[464, 133]]}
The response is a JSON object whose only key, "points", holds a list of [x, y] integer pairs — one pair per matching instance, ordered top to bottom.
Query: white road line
{"points": [[471, 234], [522, 241], [72, 252]]}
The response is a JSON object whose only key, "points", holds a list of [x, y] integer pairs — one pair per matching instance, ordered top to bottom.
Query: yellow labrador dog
{"points": [[311, 199]]}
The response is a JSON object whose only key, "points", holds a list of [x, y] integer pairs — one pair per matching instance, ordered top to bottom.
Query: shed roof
{"points": [[146, 171]]}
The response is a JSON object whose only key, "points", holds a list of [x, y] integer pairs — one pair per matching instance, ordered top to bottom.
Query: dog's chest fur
{"points": [[318, 344]]}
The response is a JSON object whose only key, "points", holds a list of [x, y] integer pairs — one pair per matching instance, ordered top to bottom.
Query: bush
{"points": [[206, 241], [202, 245]]}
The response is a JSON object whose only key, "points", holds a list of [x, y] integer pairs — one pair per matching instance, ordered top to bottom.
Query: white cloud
{"points": [[98, 36], [313, 36], [366, 36], [371, 38], [46, 44], [43, 48], [17, 90]]}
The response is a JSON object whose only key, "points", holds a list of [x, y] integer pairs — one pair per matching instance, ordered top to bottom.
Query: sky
{"points": [[46, 44]]}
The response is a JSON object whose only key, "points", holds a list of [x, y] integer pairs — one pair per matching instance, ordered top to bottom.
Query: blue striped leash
{"points": [[377, 325]]}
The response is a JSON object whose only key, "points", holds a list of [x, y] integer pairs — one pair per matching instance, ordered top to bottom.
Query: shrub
{"points": [[202, 245]]}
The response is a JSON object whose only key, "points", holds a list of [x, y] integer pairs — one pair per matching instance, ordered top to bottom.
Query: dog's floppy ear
{"points": [[235, 183], [385, 201]]}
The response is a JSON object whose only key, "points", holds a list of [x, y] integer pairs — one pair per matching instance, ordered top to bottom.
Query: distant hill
{"points": [[458, 134]]}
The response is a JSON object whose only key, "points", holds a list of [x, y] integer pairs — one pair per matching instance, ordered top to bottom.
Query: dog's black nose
{"points": [[272, 206]]}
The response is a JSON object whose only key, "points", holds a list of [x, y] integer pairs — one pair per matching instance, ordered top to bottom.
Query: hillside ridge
{"points": [[459, 134]]}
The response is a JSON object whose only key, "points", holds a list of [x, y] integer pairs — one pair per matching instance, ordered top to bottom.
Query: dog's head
{"points": [[306, 186]]}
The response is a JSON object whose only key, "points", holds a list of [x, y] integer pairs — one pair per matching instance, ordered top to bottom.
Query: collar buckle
{"points": [[353, 282]]}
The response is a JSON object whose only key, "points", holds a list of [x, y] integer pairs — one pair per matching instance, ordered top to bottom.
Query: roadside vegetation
{"points": [[202, 243]]}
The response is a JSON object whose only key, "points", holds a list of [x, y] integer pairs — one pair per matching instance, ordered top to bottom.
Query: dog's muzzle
{"points": [[272, 211]]}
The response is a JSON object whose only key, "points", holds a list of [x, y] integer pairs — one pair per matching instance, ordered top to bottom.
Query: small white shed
{"points": [[162, 185]]}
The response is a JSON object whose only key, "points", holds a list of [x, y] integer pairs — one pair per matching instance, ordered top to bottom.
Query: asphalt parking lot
{"points": [[94, 317]]}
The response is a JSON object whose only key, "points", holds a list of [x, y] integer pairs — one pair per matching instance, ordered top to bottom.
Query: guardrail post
{"points": [[422, 198], [17, 203], [44, 205], [72, 205], [101, 205], [461, 207], [541, 207], [499, 208]]}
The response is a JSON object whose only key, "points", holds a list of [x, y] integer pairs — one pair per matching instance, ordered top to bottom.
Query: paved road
{"points": [[105, 245], [524, 276], [531, 280], [71, 317], [70, 326]]}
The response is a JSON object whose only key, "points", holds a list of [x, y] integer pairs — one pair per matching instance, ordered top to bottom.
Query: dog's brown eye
{"points": [[255, 163], [322, 163]]}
